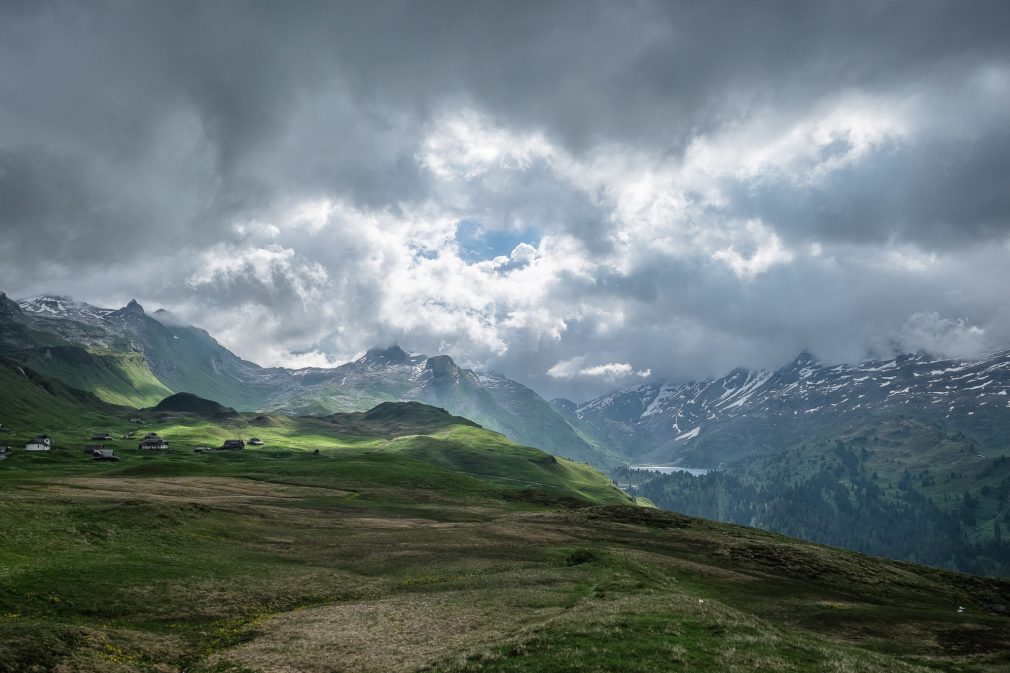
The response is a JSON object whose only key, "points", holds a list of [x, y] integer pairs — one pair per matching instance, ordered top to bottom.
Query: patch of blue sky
{"points": [[477, 242]]}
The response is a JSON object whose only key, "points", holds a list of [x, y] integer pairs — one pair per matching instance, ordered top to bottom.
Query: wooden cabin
{"points": [[39, 443], [154, 443]]}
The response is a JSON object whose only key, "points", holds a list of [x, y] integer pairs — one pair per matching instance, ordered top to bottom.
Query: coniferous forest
{"points": [[843, 502]]}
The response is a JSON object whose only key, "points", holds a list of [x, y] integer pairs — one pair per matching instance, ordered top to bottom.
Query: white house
{"points": [[40, 443]]}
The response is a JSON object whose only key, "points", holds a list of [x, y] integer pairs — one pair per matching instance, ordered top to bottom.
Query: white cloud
{"points": [[464, 145], [312, 215], [753, 250], [909, 259], [944, 337], [612, 371]]}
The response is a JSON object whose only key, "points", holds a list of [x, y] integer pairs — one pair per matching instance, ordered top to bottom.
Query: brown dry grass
{"points": [[208, 490], [363, 588], [389, 635]]}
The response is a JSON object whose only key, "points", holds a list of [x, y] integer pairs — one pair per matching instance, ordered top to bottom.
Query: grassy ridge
{"points": [[116, 378], [31, 403]]}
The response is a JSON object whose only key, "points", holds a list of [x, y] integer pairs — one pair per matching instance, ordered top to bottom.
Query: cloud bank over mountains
{"points": [[580, 195]]}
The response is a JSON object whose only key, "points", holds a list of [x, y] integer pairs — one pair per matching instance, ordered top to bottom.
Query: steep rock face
{"points": [[14, 331], [752, 412]]}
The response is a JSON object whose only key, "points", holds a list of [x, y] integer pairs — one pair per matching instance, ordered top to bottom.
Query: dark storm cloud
{"points": [[321, 97], [189, 133], [937, 193]]}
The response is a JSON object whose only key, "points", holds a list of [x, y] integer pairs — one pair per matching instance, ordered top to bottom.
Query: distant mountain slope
{"points": [[15, 333], [79, 352], [181, 357], [186, 358], [390, 374], [752, 412], [903, 488]]}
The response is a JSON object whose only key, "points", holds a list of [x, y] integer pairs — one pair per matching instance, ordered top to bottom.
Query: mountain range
{"points": [[127, 356], [748, 413]]}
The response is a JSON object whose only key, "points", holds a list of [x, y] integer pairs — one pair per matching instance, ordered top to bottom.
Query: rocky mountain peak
{"points": [[134, 307], [9, 308], [168, 318], [389, 355], [805, 359], [441, 365], [565, 405]]}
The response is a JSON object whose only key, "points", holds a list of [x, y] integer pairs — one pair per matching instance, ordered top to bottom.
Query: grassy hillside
{"points": [[188, 359], [116, 377], [31, 403], [389, 419], [389, 558]]}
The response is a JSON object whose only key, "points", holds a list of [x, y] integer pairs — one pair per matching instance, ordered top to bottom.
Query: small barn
{"points": [[101, 437], [255, 441], [39, 443], [153, 443], [233, 444], [93, 448], [105, 454]]}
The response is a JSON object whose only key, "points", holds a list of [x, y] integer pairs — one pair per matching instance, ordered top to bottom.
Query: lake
{"points": [[670, 469]]}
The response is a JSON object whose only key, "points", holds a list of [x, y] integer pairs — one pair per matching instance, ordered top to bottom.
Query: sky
{"points": [[580, 195]]}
